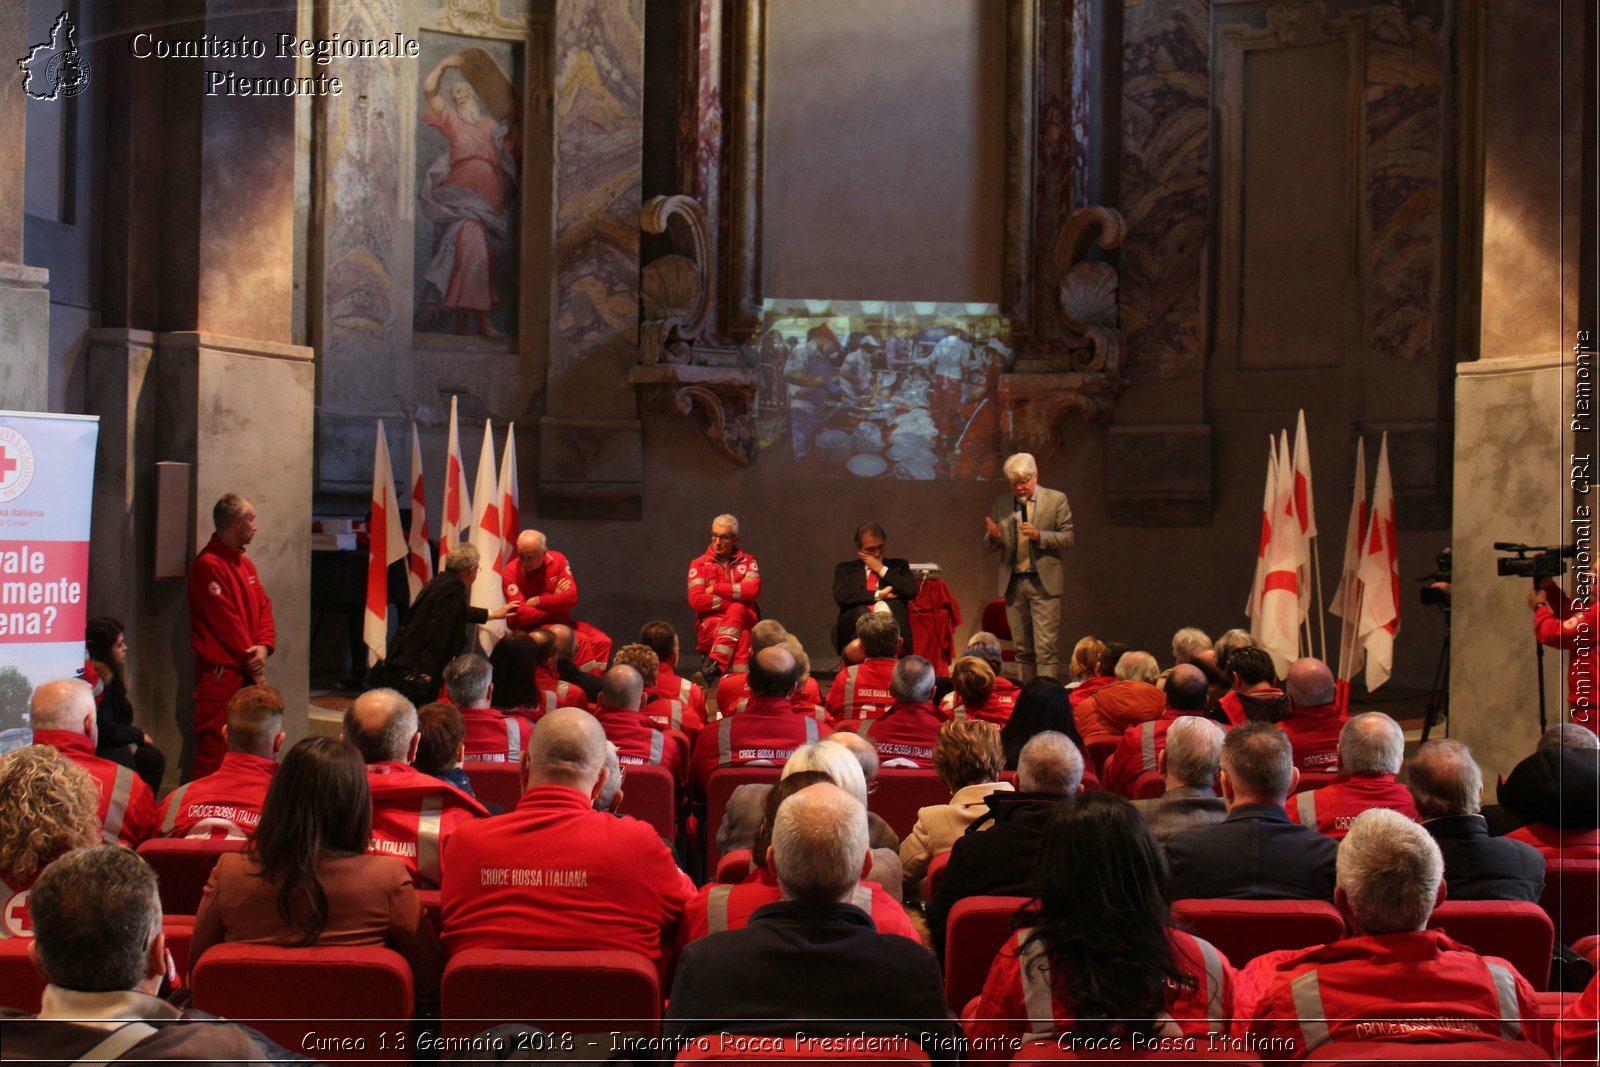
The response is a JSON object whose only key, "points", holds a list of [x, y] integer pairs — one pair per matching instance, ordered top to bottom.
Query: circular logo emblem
{"points": [[68, 73], [16, 464], [14, 916]]}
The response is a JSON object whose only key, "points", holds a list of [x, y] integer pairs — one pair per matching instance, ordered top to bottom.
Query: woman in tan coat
{"points": [[968, 758]]}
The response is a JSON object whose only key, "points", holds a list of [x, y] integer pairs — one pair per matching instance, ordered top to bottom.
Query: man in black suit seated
{"points": [[871, 583], [1189, 762], [1447, 786], [1556, 788], [1256, 853], [996, 855], [813, 961]]}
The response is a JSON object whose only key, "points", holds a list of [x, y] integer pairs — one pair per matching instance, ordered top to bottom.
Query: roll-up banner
{"points": [[46, 493]]}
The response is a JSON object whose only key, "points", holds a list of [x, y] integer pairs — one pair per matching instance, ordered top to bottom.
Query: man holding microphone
{"points": [[1029, 527]]}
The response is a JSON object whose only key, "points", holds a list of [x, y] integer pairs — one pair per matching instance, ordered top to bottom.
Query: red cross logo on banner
{"points": [[16, 464]]}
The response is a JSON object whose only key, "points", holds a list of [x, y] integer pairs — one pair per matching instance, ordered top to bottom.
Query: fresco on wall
{"points": [[469, 149], [875, 389]]}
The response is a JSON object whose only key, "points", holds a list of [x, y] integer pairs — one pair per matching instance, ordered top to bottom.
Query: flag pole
{"points": [[1322, 622]]}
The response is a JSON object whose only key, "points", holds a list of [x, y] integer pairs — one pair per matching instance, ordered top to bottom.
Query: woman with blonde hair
{"points": [[1085, 655], [980, 693], [969, 759], [48, 807]]}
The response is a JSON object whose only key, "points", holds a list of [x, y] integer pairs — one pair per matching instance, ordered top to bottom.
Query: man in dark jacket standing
{"points": [[434, 631]]}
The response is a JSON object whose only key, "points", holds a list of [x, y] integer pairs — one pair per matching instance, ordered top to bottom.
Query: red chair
{"points": [[995, 621], [1098, 749], [1314, 780], [499, 784], [1149, 785], [719, 787], [902, 792], [649, 793], [735, 866], [182, 868], [936, 868], [1572, 898], [433, 904], [1244, 929], [1518, 931], [974, 933], [180, 937], [1588, 948], [21, 984], [559, 992], [358, 993], [1553, 1005], [790, 1051], [1462, 1053]]}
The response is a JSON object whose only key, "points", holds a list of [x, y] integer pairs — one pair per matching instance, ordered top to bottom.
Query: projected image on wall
{"points": [[869, 389]]}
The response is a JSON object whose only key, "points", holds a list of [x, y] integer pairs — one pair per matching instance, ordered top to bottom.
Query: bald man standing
{"points": [[541, 578], [63, 716], [554, 873]]}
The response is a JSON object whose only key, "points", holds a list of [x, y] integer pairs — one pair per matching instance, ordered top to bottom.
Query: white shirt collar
{"points": [[106, 1010]]}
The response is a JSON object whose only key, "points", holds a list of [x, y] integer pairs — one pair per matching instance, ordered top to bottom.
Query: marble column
{"points": [[24, 300], [1514, 431], [591, 458]]}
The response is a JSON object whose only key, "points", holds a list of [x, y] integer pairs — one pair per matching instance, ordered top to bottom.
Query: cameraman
{"points": [[1557, 625]]}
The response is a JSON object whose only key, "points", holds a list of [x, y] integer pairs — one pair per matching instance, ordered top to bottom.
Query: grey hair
{"points": [[1020, 465], [229, 506], [726, 520], [536, 536], [461, 558], [879, 634], [1230, 640], [1188, 642], [986, 646], [1138, 667], [467, 678], [913, 680], [61, 704], [1567, 735], [391, 740], [1371, 743], [859, 747], [1194, 750], [1259, 759], [837, 762], [1050, 763], [1445, 779], [613, 784], [819, 843], [1389, 869], [95, 914]]}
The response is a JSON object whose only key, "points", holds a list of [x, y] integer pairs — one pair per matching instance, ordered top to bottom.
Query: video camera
{"points": [[1537, 562]]}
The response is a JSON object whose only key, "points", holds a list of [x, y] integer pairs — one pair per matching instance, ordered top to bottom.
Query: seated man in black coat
{"points": [[871, 583], [434, 630], [1447, 786], [1555, 789], [1256, 853], [996, 855], [812, 962]]}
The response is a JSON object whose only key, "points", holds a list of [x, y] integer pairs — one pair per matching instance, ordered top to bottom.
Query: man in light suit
{"points": [[1030, 526], [871, 583]]}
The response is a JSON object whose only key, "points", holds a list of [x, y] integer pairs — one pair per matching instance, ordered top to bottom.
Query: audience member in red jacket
{"points": [[541, 579], [723, 586], [231, 631], [1105, 673], [734, 687], [554, 691], [862, 691], [979, 692], [1254, 694], [1131, 699], [672, 702], [63, 717], [1314, 720], [767, 731], [905, 735], [493, 736], [639, 742], [1141, 746], [1371, 749], [227, 803], [413, 814], [554, 873], [1393, 979]]}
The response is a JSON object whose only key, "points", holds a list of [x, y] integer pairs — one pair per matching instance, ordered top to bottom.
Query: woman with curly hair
{"points": [[979, 693], [968, 759], [48, 807], [307, 879], [1097, 953]]}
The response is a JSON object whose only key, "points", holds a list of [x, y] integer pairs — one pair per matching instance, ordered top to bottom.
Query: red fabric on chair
{"points": [[995, 621], [1098, 749], [1314, 780], [499, 784], [1148, 786], [719, 787], [649, 793], [901, 793], [735, 866], [182, 867], [936, 868], [1572, 898], [1244, 929], [1518, 931], [974, 932], [180, 936], [1588, 948], [21, 985], [274, 989], [559, 992], [1552, 1005], [742, 1049], [1464, 1053]]}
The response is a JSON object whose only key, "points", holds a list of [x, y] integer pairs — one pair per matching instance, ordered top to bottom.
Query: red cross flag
{"points": [[510, 497], [457, 504], [485, 537], [386, 545], [419, 559], [1380, 579], [1347, 598], [1252, 607], [1279, 619]]}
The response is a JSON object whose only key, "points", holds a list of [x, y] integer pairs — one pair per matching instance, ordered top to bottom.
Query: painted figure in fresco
{"points": [[467, 192]]}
